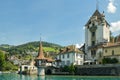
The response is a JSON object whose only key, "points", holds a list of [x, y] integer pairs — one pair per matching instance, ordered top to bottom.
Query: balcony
{"points": [[96, 45]]}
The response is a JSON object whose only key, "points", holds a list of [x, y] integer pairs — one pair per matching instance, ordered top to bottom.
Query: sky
{"points": [[56, 21]]}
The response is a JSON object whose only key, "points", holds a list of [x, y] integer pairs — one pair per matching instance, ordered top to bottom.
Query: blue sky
{"points": [[58, 21]]}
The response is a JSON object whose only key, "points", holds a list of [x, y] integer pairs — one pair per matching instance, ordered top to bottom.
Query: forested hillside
{"points": [[28, 48]]}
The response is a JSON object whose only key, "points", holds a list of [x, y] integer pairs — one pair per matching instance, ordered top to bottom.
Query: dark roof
{"points": [[99, 17]]}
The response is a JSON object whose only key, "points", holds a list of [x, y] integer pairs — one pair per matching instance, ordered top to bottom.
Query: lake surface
{"points": [[12, 76]]}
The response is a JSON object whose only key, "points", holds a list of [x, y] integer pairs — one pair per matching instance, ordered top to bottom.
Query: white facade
{"points": [[96, 32], [72, 57], [24, 68]]}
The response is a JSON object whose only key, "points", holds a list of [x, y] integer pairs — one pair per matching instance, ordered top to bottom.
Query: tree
{"points": [[111, 37], [2, 60], [109, 60], [114, 60], [4, 64], [9, 66], [65, 69], [72, 69]]}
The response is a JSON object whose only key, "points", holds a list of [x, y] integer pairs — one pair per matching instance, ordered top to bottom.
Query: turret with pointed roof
{"points": [[40, 53], [40, 61]]}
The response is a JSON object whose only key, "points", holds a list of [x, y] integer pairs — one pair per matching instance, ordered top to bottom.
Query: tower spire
{"points": [[97, 5], [40, 53]]}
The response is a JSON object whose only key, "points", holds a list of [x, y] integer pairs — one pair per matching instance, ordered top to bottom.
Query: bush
{"points": [[109, 60], [114, 60], [6, 65], [10, 66], [65, 69], [70, 69]]}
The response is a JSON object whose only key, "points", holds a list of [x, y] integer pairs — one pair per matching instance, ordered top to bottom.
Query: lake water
{"points": [[11, 76]]}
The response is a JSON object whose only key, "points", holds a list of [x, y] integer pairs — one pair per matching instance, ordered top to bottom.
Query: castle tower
{"points": [[97, 32], [40, 61]]}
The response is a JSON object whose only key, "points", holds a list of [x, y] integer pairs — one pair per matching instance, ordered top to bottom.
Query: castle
{"points": [[97, 39]]}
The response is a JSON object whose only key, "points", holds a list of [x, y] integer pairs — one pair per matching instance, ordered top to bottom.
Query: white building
{"points": [[97, 32], [70, 55], [28, 69]]}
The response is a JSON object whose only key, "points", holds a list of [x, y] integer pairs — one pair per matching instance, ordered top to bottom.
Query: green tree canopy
{"points": [[2, 60], [109, 60]]}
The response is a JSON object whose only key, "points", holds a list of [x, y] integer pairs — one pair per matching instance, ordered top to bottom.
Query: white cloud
{"points": [[111, 8], [115, 26], [79, 45]]}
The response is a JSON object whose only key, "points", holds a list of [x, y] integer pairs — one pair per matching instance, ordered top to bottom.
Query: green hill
{"points": [[50, 49]]}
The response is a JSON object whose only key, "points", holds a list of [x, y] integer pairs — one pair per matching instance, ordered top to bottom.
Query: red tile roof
{"points": [[111, 45], [70, 48], [40, 53]]}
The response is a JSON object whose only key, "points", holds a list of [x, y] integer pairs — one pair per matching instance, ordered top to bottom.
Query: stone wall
{"points": [[98, 70]]}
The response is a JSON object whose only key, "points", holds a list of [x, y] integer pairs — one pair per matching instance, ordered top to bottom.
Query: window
{"points": [[90, 22], [93, 24], [93, 34], [93, 43], [105, 51], [112, 52], [93, 53], [76, 54], [100, 54], [63, 55], [68, 55], [59, 56], [81, 56], [39, 62], [68, 62], [76, 62], [81, 62], [63, 63], [25, 67]]}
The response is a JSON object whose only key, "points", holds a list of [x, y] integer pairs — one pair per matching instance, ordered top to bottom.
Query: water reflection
{"points": [[11, 76], [31, 77], [41, 78]]}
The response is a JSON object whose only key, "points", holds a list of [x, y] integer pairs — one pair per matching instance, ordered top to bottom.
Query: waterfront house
{"points": [[69, 55], [28, 68]]}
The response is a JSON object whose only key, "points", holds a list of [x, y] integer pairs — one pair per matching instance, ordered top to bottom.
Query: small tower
{"points": [[40, 61]]}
